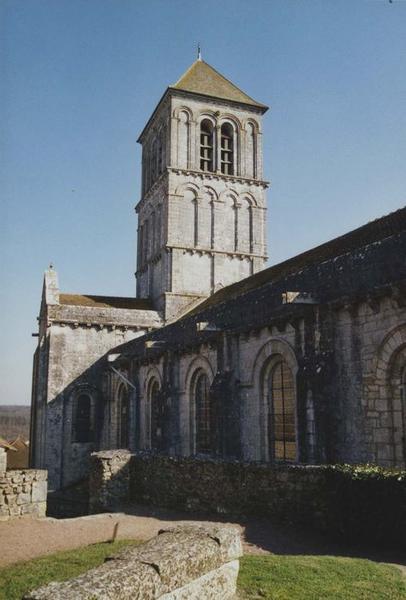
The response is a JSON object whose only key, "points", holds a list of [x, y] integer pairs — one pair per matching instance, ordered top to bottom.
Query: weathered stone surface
{"points": [[335, 316], [3, 460], [39, 491], [29, 496], [228, 538], [177, 564], [219, 584]]}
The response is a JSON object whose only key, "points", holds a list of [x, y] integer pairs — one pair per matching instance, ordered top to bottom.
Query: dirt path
{"points": [[25, 538]]}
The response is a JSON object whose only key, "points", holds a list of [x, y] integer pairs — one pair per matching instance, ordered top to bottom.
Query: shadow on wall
{"points": [[79, 421], [350, 505]]}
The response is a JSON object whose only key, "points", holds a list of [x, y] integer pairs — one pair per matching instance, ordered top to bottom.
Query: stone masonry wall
{"points": [[109, 481], [22, 492], [291, 492], [340, 500], [194, 563]]}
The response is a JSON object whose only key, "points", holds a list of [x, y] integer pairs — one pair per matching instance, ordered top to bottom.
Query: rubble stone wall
{"points": [[109, 481], [22, 492], [292, 492], [193, 563]]}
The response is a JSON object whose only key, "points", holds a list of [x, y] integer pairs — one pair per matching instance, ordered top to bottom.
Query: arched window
{"points": [[206, 146], [227, 149], [251, 151], [160, 153], [154, 161], [403, 408], [281, 413], [202, 414], [157, 416], [123, 417], [82, 419]]}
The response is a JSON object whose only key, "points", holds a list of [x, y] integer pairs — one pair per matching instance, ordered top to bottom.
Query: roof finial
{"points": [[199, 52]]}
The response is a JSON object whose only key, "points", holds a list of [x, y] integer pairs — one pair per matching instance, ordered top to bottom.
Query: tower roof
{"points": [[201, 78]]}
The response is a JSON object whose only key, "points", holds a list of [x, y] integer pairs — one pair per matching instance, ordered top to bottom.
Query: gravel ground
{"points": [[25, 538]]}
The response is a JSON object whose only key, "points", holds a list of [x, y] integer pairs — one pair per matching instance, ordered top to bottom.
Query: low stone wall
{"points": [[3, 460], [109, 481], [22, 492], [289, 492], [293, 493], [342, 500], [186, 563]]}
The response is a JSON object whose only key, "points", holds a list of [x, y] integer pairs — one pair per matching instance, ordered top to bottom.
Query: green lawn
{"points": [[273, 577], [318, 578], [18, 579]]}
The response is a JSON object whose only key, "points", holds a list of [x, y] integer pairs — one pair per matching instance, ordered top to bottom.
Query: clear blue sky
{"points": [[81, 77]]}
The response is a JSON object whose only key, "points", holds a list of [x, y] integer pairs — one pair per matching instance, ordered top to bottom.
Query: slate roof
{"points": [[201, 78], [374, 231], [364, 261], [105, 301], [6, 445]]}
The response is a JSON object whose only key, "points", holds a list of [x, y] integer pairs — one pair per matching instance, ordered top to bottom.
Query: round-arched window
{"points": [[206, 145], [227, 149], [282, 413], [203, 414], [157, 416], [123, 417], [82, 419]]}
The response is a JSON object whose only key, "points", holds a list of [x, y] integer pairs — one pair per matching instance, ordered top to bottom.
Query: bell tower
{"points": [[202, 213]]}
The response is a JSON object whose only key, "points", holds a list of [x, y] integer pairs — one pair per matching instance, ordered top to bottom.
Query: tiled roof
{"points": [[201, 78], [367, 234], [105, 301], [6, 445]]}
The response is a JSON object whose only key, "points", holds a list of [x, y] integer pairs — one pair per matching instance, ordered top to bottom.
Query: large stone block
{"points": [[3, 460], [39, 491], [179, 564]]}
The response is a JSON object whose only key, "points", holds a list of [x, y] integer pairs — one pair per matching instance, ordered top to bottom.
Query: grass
{"points": [[274, 577], [318, 578], [16, 580]]}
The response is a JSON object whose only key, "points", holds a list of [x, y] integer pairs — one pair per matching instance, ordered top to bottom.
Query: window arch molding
{"points": [[185, 109], [207, 116], [232, 119], [253, 123], [184, 187], [210, 192], [229, 193], [249, 198], [263, 360], [198, 366], [388, 368], [153, 376], [122, 401], [397, 404], [84, 408]]}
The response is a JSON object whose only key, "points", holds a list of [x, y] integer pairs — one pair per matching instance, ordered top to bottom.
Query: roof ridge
{"points": [[193, 86], [384, 227]]}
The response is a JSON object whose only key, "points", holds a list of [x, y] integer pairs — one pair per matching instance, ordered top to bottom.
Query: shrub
{"points": [[367, 503]]}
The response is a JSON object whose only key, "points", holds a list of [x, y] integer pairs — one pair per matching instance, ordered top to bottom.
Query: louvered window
{"points": [[206, 146], [227, 149], [203, 416]]}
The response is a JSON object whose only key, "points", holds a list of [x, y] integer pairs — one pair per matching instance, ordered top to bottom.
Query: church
{"points": [[218, 356]]}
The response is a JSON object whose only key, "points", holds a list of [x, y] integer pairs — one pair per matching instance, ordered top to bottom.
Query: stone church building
{"points": [[218, 356]]}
